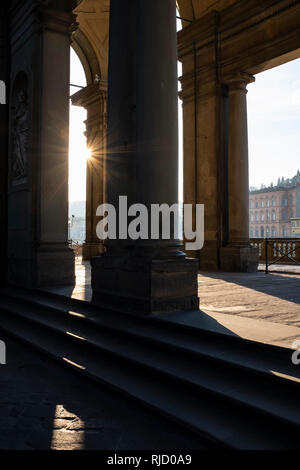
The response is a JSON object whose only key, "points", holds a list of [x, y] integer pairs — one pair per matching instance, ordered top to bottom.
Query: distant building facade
{"points": [[275, 211], [296, 227], [77, 229]]}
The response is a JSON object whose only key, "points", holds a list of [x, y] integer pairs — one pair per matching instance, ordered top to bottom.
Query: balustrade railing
{"points": [[277, 251]]}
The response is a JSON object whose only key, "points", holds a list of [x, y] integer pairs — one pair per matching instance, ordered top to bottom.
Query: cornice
{"points": [[245, 37], [90, 95]]}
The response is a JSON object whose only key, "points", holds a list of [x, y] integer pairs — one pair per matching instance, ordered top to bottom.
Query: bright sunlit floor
{"points": [[252, 305]]}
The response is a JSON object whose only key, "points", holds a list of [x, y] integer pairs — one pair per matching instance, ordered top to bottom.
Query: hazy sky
{"points": [[273, 122], [77, 151]]}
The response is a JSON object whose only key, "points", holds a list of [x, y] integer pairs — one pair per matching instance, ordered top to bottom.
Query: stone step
{"points": [[258, 357], [234, 383], [201, 409]]}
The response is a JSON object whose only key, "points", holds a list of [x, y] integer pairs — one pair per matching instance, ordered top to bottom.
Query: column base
{"points": [[91, 249], [209, 258], [242, 259], [55, 266], [143, 285]]}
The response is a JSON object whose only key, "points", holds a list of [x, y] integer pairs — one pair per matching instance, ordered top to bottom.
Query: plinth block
{"points": [[242, 259], [145, 286]]}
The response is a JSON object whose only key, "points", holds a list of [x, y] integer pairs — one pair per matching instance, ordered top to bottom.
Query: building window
{"points": [[268, 202], [273, 202], [284, 202], [262, 203], [256, 204], [268, 215], [274, 216], [256, 217], [262, 217], [251, 218], [262, 232], [273, 232], [284, 232], [251, 233], [256, 233]]}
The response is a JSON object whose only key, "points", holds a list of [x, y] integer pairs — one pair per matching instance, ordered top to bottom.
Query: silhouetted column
{"points": [[4, 88], [94, 99], [38, 251], [147, 275]]}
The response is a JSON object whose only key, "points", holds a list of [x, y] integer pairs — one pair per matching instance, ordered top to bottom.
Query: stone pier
{"points": [[94, 99], [38, 252], [238, 255], [145, 276]]}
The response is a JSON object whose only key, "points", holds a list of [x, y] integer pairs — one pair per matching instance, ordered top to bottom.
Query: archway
{"points": [[274, 125], [78, 156]]}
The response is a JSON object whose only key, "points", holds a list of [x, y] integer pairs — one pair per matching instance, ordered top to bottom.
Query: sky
{"points": [[274, 124], [273, 127], [78, 152]]}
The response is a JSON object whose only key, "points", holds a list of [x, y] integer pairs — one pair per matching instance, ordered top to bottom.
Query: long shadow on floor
{"points": [[284, 287], [44, 406]]}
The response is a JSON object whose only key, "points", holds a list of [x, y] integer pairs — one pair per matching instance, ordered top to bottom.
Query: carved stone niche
{"points": [[19, 131]]}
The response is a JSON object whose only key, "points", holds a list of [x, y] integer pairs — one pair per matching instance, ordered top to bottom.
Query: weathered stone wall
{"points": [[3, 138], [38, 144]]}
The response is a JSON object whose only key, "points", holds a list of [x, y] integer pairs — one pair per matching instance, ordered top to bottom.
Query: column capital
{"points": [[57, 20], [239, 82], [90, 95]]}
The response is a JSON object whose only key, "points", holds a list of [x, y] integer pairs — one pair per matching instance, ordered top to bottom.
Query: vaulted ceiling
{"points": [[193, 9], [93, 18]]}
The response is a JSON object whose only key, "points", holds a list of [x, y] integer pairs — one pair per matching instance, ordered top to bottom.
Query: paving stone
{"points": [[54, 408]]}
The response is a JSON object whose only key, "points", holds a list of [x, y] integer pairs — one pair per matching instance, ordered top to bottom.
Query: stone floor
{"points": [[274, 297], [255, 306], [46, 406]]}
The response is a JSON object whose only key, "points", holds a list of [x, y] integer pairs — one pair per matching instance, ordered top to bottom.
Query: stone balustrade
{"points": [[280, 250]]}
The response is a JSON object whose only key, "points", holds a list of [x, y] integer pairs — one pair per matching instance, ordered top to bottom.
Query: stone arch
{"points": [[193, 9], [186, 10], [87, 56]]}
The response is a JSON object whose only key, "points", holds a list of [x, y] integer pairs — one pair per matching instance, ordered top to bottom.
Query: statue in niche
{"points": [[20, 134]]}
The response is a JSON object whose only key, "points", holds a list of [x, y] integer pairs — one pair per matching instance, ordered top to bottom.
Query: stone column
{"points": [[4, 87], [94, 99], [204, 156], [238, 165], [38, 252], [239, 254], [55, 261], [145, 276]]}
